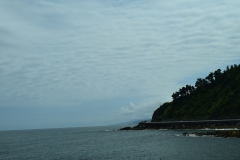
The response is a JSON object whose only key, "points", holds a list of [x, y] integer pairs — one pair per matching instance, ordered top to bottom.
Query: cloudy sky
{"points": [[72, 63]]}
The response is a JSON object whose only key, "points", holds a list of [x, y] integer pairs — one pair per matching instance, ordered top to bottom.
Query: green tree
{"points": [[217, 74], [210, 78]]}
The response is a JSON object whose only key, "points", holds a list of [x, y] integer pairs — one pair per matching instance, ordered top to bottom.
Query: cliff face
{"points": [[215, 97]]}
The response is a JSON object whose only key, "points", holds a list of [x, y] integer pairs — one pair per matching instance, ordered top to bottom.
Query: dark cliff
{"points": [[215, 97]]}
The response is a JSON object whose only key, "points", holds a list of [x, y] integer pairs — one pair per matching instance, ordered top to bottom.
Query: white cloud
{"points": [[61, 53], [142, 110]]}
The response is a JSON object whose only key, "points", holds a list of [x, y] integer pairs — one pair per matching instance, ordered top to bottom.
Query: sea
{"points": [[102, 143]]}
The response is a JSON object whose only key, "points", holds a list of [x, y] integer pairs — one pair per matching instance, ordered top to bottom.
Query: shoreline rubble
{"points": [[218, 130]]}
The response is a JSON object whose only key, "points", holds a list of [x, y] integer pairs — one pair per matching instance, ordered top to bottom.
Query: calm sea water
{"points": [[105, 143]]}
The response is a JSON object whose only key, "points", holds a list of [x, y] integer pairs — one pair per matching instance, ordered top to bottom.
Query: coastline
{"points": [[223, 129], [219, 133]]}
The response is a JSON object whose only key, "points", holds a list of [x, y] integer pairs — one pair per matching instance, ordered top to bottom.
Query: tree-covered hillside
{"points": [[215, 97]]}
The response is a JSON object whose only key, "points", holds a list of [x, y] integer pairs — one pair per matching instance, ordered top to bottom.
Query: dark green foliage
{"points": [[215, 97]]}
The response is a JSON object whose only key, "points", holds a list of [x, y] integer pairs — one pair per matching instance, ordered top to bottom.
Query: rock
{"points": [[126, 128], [224, 134]]}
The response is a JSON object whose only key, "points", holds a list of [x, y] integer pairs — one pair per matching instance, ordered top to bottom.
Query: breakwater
{"points": [[188, 124]]}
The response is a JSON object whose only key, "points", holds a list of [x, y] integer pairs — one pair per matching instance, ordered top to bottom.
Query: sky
{"points": [[74, 63]]}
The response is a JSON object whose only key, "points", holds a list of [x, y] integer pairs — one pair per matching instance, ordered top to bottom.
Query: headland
{"points": [[222, 128]]}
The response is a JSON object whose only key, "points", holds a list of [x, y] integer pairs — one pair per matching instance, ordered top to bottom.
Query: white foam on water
{"points": [[178, 135], [191, 135]]}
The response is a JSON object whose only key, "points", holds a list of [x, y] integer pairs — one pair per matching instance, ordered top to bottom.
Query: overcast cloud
{"points": [[63, 54]]}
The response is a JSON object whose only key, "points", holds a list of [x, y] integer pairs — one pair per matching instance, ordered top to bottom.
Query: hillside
{"points": [[215, 97]]}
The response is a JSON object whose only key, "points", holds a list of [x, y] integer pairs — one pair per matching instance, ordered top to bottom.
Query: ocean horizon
{"points": [[107, 142]]}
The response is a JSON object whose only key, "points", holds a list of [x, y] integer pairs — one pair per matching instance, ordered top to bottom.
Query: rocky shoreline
{"points": [[224, 130], [223, 133]]}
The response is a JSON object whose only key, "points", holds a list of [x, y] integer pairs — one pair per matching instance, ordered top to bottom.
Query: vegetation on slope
{"points": [[215, 97]]}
